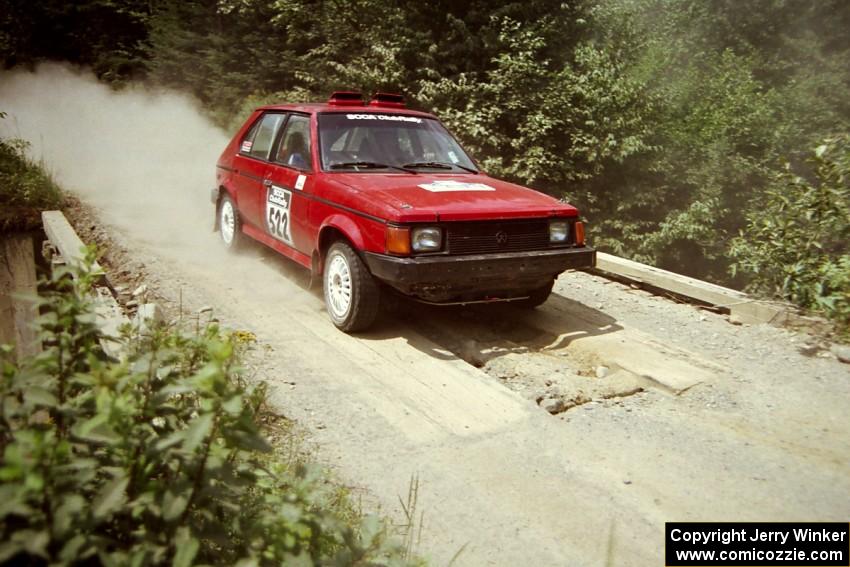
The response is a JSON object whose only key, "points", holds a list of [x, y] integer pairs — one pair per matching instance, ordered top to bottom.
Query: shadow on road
{"points": [[475, 333], [479, 333]]}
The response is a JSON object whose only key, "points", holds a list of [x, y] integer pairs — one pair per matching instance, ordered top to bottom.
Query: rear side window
{"points": [[259, 140], [294, 149]]}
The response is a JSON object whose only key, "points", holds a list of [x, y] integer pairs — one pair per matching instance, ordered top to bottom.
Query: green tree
{"points": [[107, 35], [735, 88], [796, 243]]}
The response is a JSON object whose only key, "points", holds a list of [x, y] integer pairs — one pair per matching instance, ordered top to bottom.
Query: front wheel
{"points": [[352, 296], [537, 297]]}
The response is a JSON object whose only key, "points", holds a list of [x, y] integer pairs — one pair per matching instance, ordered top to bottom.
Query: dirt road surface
{"points": [[662, 411], [566, 436]]}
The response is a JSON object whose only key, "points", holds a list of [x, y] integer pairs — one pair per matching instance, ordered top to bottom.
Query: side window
{"points": [[259, 140], [294, 149]]}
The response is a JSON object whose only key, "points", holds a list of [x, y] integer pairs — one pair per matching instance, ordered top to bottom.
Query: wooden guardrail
{"points": [[63, 236], [71, 250], [738, 304]]}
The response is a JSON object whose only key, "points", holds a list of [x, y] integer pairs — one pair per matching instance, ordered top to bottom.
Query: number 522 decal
{"points": [[278, 207]]}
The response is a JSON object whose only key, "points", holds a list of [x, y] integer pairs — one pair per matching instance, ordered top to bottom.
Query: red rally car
{"points": [[376, 198]]}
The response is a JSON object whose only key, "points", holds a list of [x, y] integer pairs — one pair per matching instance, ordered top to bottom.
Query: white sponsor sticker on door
{"points": [[299, 183], [447, 185], [278, 206]]}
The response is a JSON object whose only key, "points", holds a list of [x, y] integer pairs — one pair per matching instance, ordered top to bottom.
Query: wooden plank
{"points": [[65, 239], [17, 281], [676, 283], [741, 305], [753, 311], [109, 314], [110, 318]]}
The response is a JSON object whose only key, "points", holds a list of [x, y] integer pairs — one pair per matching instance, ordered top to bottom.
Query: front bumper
{"points": [[476, 276]]}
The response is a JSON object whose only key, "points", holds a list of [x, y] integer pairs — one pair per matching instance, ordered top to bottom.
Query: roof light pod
{"points": [[346, 98], [387, 100]]}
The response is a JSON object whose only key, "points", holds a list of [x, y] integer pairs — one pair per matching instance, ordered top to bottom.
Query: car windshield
{"points": [[379, 142]]}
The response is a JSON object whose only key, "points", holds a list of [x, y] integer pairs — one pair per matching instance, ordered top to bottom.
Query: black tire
{"points": [[229, 224], [364, 293], [536, 297]]}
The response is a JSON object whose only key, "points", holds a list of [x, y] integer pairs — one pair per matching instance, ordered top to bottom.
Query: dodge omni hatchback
{"points": [[375, 198]]}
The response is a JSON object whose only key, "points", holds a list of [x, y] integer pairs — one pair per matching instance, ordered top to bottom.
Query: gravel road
{"points": [[567, 436]]}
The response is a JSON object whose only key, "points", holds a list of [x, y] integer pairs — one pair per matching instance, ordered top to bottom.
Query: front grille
{"points": [[493, 237]]}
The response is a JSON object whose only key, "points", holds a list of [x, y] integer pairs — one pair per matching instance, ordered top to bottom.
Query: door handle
{"points": [[267, 182]]}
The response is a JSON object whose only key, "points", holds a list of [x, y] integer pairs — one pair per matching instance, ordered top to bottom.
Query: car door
{"points": [[250, 167], [289, 181]]}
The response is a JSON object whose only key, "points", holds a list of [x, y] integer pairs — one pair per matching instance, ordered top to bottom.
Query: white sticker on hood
{"points": [[445, 186]]}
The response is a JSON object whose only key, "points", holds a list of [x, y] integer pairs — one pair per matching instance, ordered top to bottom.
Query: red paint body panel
{"points": [[247, 183], [387, 193], [360, 204], [287, 251]]}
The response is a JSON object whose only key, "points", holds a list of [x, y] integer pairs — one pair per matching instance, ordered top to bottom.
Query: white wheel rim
{"points": [[228, 222], [338, 286]]}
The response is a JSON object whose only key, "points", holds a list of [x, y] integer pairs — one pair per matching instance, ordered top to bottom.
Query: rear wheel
{"points": [[229, 224], [352, 296], [537, 297]]}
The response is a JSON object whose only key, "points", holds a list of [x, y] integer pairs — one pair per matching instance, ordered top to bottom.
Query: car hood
{"points": [[423, 197]]}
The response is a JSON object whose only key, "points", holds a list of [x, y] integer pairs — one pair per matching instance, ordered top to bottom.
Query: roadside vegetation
{"points": [[668, 122], [26, 188], [797, 245], [157, 458]]}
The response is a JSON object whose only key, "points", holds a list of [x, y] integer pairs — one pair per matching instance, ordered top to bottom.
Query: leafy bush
{"points": [[540, 121], [25, 187], [796, 244], [154, 459]]}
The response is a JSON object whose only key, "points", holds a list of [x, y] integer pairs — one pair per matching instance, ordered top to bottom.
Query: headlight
{"points": [[558, 231], [426, 239]]}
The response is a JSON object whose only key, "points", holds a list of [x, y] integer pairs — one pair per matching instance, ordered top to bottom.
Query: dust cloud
{"points": [[145, 159]]}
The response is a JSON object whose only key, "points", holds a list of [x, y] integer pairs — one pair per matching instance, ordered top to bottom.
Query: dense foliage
{"points": [[106, 35], [737, 89], [665, 121], [25, 187], [797, 244], [155, 459]]}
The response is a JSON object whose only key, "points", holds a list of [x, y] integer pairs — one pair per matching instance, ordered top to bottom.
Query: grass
{"points": [[26, 188]]}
